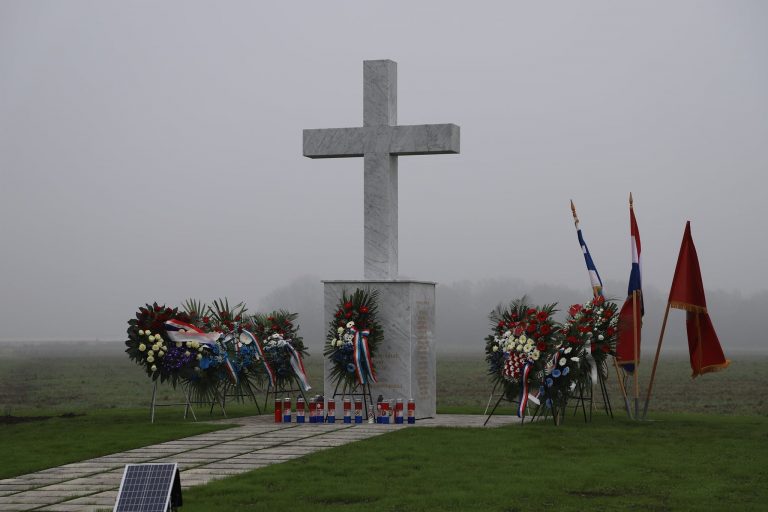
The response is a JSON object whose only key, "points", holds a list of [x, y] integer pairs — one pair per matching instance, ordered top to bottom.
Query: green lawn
{"points": [[37, 445], [680, 462]]}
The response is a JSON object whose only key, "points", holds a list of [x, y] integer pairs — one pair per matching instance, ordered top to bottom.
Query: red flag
{"points": [[687, 293], [631, 314]]}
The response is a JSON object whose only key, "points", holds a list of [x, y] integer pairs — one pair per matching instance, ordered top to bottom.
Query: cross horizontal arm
{"points": [[422, 139]]}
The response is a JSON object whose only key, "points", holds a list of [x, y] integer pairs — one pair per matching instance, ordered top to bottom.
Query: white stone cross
{"points": [[380, 141]]}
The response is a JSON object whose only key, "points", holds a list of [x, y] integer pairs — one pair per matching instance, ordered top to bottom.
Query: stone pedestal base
{"points": [[405, 362]]}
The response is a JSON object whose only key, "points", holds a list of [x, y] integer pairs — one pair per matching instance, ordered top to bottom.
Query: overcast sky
{"points": [[152, 150]]}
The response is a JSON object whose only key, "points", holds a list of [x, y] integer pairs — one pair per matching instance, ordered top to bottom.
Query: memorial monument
{"points": [[406, 363]]}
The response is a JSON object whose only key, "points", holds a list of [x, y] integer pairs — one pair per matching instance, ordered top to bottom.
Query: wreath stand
{"points": [[293, 390], [363, 391], [503, 398], [221, 399], [187, 403]]}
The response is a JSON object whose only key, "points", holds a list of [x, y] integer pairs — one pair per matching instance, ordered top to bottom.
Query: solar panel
{"points": [[149, 488]]}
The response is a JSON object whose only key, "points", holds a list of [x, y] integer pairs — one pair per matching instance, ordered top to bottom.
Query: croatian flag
{"points": [[594, 277], [631, 314]]}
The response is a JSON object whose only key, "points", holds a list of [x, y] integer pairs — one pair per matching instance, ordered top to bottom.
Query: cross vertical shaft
{"points": [[380, 141], [380, 177]]}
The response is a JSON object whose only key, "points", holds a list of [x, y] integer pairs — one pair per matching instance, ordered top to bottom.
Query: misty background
{"points": [[152, 151]]}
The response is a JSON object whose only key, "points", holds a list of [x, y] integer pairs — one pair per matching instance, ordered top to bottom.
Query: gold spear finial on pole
{"points": [[630, 200], [575, 217]]}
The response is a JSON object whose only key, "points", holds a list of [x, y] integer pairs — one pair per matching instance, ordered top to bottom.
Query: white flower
{"points": [[350, 325], [340, 330], [141, 332], [508, 334], [601, 337], [523, 338], [332, 341], [178, 344], [142, 347], [156, 347], [528, 347], [200, 348], [495, 348], [568, 350], [150, 353], [187, 353], [160, 354], [535, 355], [199, 356], [150, 359], [575, 359], [562, 362], [154, 368]]}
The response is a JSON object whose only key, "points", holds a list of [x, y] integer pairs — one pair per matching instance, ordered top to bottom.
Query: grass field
{"points": [[42, 378], [705, 451], [679, 462]]}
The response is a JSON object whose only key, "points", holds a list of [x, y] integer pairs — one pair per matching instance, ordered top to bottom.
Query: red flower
{"points": [[599, 300], [347, 305], [363, 310], [574, 310], [530, 312], [339, 313], [608, 313], [348, 314], [513, 316], [542, 316], [238, 318], [206, 319], [501, 324], [530, 329], [545, 329], [518, 331], [610, 331], [571, 339], [541, 346]]}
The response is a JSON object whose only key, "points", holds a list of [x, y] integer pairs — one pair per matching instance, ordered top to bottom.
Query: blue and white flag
{"points": [[594, 276]]}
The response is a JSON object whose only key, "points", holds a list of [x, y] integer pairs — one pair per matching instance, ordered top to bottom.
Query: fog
{"points": [[152, 151]]}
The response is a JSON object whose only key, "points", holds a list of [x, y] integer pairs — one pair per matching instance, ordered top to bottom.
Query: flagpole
{"points": [[594, 293], [698, 345], [637, 358], [656, 361], [621, 386]]}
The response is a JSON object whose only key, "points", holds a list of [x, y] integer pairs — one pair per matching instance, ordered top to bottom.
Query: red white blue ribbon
{"points": [[179, 331], [260, 349], [362, 357], [298, 367], [231, 373], [523, 402]]}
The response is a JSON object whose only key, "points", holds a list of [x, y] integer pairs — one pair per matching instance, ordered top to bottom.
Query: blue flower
{"points": [[205, 363], [350, 368], [566, 370], [555, 373], [549, 382], [541, 390], [548, 403]]}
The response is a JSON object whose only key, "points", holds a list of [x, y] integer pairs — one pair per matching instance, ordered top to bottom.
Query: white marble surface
{"points": [[380, 141], [406, 365]]}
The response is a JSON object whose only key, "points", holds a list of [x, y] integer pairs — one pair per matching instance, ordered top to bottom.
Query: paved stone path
{"points": [[92, 485]]}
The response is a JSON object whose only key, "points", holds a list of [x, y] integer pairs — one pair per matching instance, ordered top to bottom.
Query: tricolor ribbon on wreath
{"points": [[182, 332], [260, 350], [362, 357], [298, 367], [523, 402]]}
